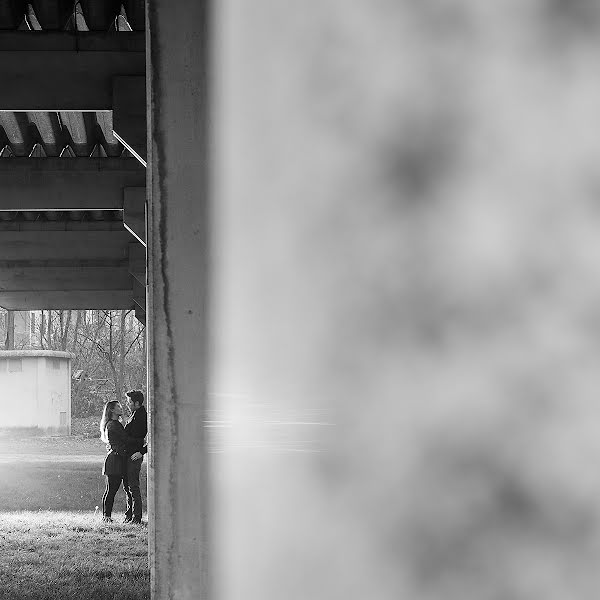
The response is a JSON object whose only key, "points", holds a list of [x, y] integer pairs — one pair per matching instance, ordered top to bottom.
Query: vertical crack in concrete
{"points": [[160, 224]]}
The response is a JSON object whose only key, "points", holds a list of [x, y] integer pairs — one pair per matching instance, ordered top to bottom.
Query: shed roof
{"points": [[34, 354]]}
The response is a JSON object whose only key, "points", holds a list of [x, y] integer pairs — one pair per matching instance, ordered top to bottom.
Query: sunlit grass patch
{"points": [[52, 555]]}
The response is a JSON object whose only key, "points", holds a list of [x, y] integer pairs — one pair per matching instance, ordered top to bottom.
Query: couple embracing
{"points": [[126, 448]]}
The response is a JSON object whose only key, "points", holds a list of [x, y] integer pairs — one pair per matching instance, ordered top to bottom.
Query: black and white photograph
{"points": [[299, 301]]}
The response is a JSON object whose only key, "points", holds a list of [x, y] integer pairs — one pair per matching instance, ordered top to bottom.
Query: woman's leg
{"points": [[113, 482]]}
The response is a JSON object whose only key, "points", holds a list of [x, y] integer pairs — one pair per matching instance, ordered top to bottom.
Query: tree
{"points": [[9, 344], [109, 348]]}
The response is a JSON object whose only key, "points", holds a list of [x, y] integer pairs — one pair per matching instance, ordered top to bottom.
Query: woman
{"points": [[112, 433]]}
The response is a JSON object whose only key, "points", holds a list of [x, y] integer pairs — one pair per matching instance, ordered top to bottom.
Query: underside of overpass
{"points": [[72, 155], [73, 161]]}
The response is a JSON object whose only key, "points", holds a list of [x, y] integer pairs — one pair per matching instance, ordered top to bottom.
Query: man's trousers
{"points": [[131, 483]]}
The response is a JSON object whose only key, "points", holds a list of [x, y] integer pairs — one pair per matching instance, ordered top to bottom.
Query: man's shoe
{"points": [[107, 519], [127, 520], [136, 521]]}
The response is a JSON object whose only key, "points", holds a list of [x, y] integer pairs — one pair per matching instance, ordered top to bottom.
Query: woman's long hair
{"points": [[107, 415]]}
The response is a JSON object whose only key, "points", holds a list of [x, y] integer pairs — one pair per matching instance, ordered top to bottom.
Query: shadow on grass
{"points": [[60, 484]]}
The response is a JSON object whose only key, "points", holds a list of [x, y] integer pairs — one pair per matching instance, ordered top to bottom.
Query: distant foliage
{"points": [[109, 348], [86, 427]]}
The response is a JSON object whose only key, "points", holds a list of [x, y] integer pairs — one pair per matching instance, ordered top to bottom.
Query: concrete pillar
{"points": [[177, 297]]}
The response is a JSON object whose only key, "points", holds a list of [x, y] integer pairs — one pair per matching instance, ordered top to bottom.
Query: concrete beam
{"points": [[66, 70], [129, 114], [67, 183], [134, 212], [42, 226], [64, 245], [137, 262], [23, 277], [139, 295], [73, 299], [140, 315]]}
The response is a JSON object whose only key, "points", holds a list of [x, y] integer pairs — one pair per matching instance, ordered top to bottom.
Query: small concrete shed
{"points": [[35, 390]]}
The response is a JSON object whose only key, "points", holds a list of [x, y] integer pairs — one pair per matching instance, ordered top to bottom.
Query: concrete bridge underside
{"points": [[73, 157], [79, 227]]}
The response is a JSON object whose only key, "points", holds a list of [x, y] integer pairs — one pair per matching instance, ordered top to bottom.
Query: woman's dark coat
{"points": [[115, 461]]}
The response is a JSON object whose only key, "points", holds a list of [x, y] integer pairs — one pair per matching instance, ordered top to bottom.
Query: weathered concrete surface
{"points": [[406, 251], [177, 299]]}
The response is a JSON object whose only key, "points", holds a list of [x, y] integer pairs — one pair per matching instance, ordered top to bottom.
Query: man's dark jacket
{"points": [[137, 428]]}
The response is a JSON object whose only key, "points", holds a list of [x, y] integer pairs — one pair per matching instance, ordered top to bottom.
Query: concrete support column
{"points": [[177, 249]]}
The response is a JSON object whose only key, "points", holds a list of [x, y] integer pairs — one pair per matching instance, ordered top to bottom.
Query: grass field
{"points": [[53, 543], [71, 555]]}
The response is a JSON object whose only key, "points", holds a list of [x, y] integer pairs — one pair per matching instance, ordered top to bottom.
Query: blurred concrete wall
{"points": [[407, 299]]}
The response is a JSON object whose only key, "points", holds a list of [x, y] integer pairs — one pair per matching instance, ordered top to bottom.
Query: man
{"points": [[136, 429]]}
